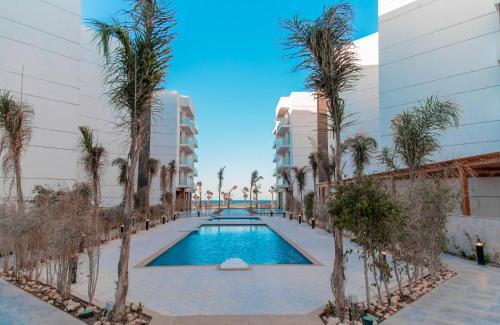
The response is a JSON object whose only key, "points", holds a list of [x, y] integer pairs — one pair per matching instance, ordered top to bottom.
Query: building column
{"points": [[464, 182]]}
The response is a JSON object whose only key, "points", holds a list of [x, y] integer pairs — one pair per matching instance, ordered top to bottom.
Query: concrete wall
{"points": [[452, 55], [63, 84], [487, 229]]}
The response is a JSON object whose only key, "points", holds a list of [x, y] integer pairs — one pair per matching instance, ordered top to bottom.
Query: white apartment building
{"points": [[45, 46], [174, 137], [295, 139]]}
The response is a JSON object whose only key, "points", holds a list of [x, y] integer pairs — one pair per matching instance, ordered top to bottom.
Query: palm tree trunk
{"points": [[19, 189], [146, 199], [250, 199], [339, 276], [122, 282], [367, 284]]}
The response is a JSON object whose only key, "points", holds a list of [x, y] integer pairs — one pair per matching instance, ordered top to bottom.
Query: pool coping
{"points": [[144, 263]]}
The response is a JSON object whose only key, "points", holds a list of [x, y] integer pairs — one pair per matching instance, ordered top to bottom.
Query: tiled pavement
{"points": [[203, 290], [471, 297], [18, 307]]}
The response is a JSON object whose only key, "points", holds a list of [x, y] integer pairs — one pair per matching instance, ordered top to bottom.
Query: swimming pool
{"points": [[234, 212], [234, 219], [213, 244]]}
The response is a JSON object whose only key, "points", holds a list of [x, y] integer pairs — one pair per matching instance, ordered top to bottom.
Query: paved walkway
{"points": [[203, 290], [471, 297], [18, 307]]}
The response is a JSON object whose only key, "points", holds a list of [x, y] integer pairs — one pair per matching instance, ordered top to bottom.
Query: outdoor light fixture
{"points": [[284, 214], [174, 216], [300, 219], [163, 220], [313, 221], [147, 224], [121, 229], [480, 252]]}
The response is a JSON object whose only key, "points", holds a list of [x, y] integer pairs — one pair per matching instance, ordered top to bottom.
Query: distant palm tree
{"points": [[325, 48], [136, 52], [416, 131], [15, 134], [361, 147], [92, 158], [314, 164], [153, 166], [171, 171], [122, 175], [220, 177], [254, 178], [301, 179], [289, 180], [199, 184], [163, 188], [272, 189], [256, 191], [245, 192], [209, 195], [229, 195]]}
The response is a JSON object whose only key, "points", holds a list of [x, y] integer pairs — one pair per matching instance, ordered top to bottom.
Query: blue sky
{"points": [[229, 58]]}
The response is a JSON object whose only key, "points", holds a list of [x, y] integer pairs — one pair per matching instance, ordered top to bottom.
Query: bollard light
{"points": [[271, 213], [284, 214], [291, 215], [174, 216], [300, 219], [163, 220], [313, 221], [147, 224], [122, 228], [480, 252]]}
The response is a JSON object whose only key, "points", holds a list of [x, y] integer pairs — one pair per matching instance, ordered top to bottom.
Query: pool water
{"points": [[234, 212], [234, 219], [213, 244]]}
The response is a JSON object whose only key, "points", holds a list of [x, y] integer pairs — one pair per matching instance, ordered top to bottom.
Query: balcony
{"points": [[188, 125], [283, 126], [187, 143], [274, 144], [282, 145], [195, 157], [274, 157], [186, 163], [283, 163], [195, 172], [186, 182], [281, 183]]}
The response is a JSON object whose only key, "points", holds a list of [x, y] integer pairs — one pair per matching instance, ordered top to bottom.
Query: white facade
{"points": [[453, 55], [62, 83], [362, 102], [174, 137], [295, 138]]}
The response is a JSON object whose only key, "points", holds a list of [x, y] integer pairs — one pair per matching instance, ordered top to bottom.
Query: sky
{"points": [[229, 58]]}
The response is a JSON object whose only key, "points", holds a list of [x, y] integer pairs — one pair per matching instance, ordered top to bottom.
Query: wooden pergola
{"points": [[485, 165]]}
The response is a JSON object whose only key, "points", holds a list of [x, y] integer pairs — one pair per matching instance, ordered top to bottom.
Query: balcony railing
{"points": [[189, 122], [283, 126], [187, 141], [282, 144], [187, 162], [283, 163], [186, 182]]}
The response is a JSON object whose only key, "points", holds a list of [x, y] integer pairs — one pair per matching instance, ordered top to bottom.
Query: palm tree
{"points": [[324, 47], [136, 52], [416, 131], [15, 134], [361, 147], [93, 161], [314, 164], [153, 167], [171, 171], [122, 175], [220, 177], [254, 178], [301, 179], [289, 180], [199, 184], [163, 188], [272, 189], [256, 191], [245, 192], [209, 195], [229, 195]]}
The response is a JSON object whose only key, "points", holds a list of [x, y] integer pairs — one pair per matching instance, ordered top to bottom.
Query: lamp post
{"points": [[480, 252]]}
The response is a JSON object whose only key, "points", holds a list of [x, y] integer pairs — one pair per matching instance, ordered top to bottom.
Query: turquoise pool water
{"points": [[234, 212], [234, 219], [213, 244]]}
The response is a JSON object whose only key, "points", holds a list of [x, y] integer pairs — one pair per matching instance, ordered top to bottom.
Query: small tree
{"points": [[15, 134], [93, 161], [122, 174], [245, 192], [370, 214]]}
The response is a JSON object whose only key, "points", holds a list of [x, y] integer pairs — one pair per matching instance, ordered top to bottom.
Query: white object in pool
{"points": [[234, 264]]}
